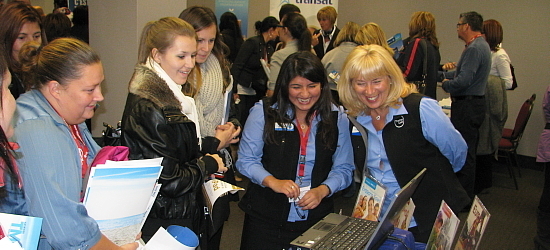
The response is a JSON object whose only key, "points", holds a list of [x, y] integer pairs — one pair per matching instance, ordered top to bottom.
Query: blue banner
{"points": [[238, 7]]}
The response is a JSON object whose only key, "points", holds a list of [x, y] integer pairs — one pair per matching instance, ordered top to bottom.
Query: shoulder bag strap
{"points": [[425, 48], [411, 58]]}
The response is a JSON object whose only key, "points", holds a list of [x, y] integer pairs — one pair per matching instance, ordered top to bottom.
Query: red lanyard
{"points": [[474, 38], [82, 148], [303, 149]]}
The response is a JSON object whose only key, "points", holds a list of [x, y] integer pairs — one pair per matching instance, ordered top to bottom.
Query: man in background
{"points": [[467, 88]]}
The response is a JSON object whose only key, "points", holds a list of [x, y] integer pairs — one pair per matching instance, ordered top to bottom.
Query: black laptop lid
{"points": [[385, 227]]}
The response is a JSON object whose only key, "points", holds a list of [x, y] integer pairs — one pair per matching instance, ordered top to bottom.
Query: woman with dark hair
{"points": [[20, 23], [80, 23], [57, 25], [294, 32], [231, 34], [422, 42], [247, 70], [213, 82], [496, 103], [56, 145], [287, 195], [12, 199]]}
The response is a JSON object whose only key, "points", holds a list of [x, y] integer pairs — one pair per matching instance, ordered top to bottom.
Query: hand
{"points": [[315, 39], [449, 66], [269, 93], [236, 97], [227, 134], [221, 165], [286, 187], [313, 197], [130, 246]]}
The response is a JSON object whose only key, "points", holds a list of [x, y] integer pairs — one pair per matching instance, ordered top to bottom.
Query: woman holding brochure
{"points": [[373, 89], [160, 121], [56, 146], [287, 195]]}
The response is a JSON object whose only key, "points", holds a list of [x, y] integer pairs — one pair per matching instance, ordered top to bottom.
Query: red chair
{"points": [[511, 137]]}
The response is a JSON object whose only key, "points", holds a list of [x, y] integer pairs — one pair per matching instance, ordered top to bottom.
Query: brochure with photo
{"points": [[369, 200], [403, 220], [475, 225], [444, 229]]}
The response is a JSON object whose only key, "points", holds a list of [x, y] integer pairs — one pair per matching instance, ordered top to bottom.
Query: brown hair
{"points": [[13, 16], [203, 17], [422, 24], [493, 33], [61, 61]]}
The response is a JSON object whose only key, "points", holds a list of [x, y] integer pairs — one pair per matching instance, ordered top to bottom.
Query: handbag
{"points": [[514, 82], [420, 85]]}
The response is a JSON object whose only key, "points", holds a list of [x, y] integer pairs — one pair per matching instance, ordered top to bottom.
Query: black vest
{"points": [[409, 152], [281, 160]]}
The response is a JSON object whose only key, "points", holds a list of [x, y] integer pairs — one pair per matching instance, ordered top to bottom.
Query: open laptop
{"points": [[337, 231]]}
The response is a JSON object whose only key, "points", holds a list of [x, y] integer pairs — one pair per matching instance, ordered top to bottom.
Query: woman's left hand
{"points": [[227, 134], [313, 197]]}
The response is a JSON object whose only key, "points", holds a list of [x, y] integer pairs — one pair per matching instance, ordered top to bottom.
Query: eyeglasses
{"points": [[460, 24]]}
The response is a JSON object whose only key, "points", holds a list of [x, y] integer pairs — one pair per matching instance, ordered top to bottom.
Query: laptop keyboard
{"points": [[352, 235]]}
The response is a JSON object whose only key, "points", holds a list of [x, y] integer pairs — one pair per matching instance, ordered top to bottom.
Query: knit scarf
{"points": [[210, 99], [188, 107]]}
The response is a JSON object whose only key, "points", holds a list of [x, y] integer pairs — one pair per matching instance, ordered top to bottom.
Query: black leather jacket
{"points": [[154, 126]]}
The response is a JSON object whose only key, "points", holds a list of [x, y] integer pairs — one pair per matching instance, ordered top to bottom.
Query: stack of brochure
{"points": [[120, 195]]}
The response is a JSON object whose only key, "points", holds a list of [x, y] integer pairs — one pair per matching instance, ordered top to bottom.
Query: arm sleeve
{"points": [[502, 63], [469, 64], [275, 67], [238, 69], [147, 125], [438, 130], [251, 147], [341, 174], [52, 175]]}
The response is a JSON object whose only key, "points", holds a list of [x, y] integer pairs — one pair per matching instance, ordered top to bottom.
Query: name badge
{"points": [[284, 127], [355, 131]]}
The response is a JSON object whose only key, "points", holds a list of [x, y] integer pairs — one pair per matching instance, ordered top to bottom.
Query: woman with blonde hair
{"points": [[372, 33], [421, 43], [334, 60], [374, 91], [160, 121]]}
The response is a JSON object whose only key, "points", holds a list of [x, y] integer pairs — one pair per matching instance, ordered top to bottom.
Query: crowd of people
{"points": [[199, 87]]}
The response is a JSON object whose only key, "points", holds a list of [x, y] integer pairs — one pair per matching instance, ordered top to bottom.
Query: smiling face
{"points": [[29, 32], [206, 38], [178, 59], [373, 92], [303, 93], [76, 101], [8, 105]]}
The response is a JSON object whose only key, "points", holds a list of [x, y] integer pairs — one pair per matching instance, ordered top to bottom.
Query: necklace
{"points": [[377, 118], [303, 126]]}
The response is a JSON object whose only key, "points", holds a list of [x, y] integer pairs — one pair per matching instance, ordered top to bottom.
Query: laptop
{"points": [[337, 231]]}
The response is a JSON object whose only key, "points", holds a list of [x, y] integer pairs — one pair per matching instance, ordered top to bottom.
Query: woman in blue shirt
{"points": [[406, 132], [296, 150]]}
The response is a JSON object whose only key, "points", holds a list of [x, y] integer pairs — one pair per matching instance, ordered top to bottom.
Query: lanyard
{"points": [[474, 38], [304, 137], [82, 148]]}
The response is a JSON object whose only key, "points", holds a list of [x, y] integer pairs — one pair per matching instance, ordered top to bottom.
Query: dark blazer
{"points": [[319, 47], [414, 72]]}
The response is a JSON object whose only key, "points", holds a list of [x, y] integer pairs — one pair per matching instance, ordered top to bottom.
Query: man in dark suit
{"points": [[323, 39]]}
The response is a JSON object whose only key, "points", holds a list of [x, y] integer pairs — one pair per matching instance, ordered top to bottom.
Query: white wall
{"points": [[115, 28]]}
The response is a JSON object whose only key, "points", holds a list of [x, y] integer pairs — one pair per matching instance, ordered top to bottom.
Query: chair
{"points": [[511, 137]]}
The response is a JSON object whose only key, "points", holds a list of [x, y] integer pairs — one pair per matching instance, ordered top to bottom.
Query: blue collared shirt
{"points": [[436, 128], [251, 152], [49, 162]]}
